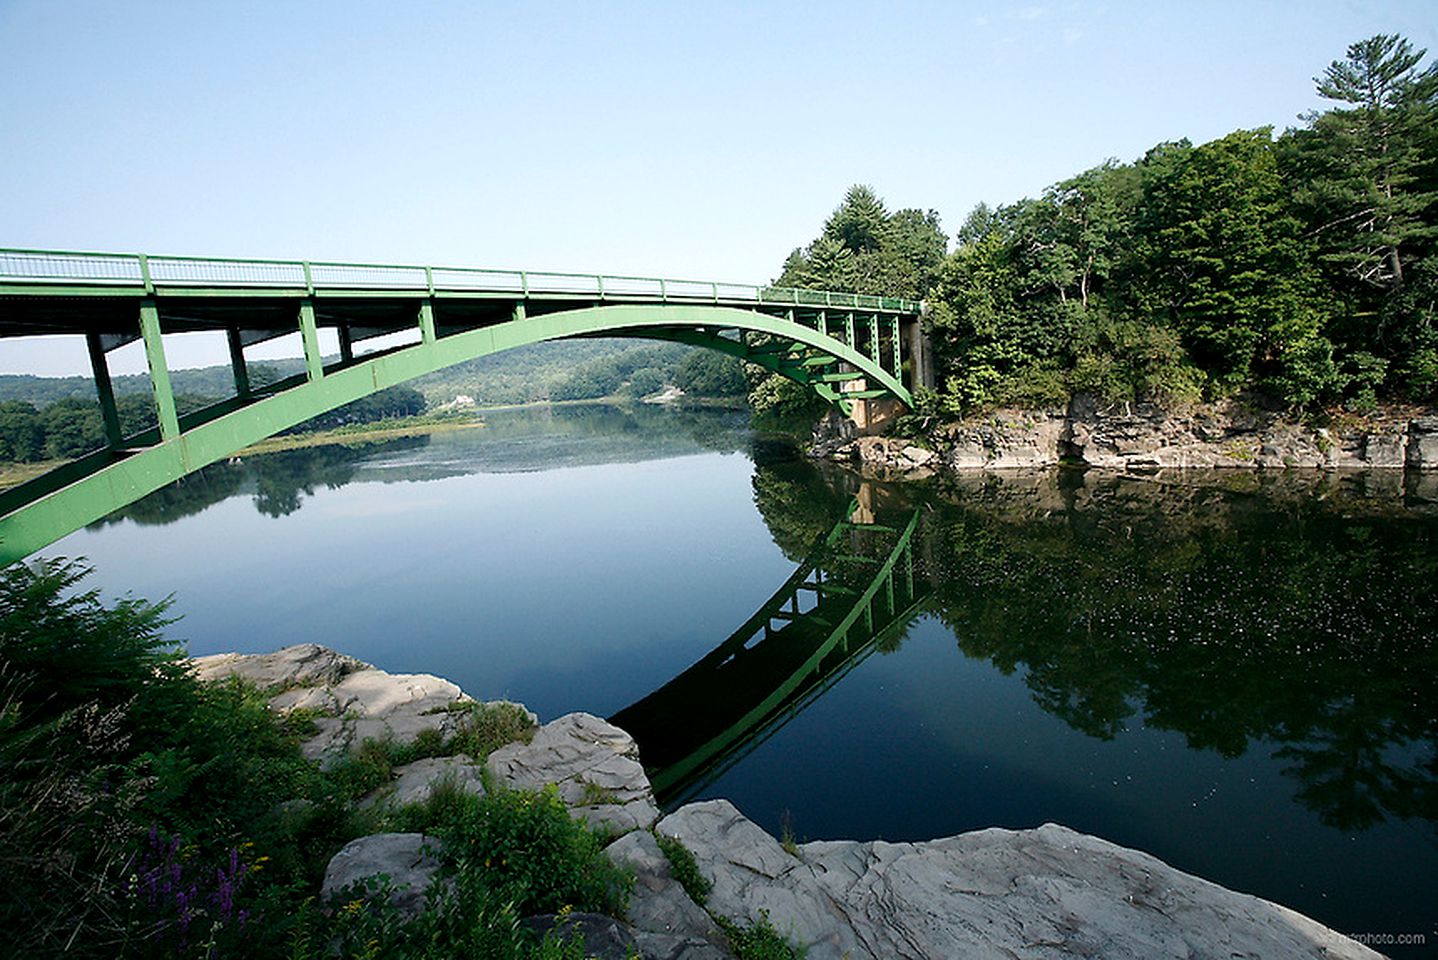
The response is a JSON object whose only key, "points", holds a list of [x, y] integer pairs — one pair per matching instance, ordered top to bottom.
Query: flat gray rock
{"points": [[301, 665], [355, 700], [594, 765], [414, 782], [404, 859], [1040, 894], [658, 904]]}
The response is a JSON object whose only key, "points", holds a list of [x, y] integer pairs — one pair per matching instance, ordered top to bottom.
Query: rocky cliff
{"points": [[1143, 437]]}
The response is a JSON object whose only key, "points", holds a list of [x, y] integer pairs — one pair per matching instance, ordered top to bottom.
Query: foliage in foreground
{"points": [[144, 813]]}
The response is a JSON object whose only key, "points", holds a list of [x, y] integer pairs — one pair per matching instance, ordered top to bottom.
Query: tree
{"points": [[1368, 167], [1219, 257], [22, 439]]}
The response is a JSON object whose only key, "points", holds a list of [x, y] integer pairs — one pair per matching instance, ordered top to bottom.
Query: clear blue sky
{"points": [[678, 139]]}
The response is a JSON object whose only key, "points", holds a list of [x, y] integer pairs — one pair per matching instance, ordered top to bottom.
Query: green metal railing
{"points": [[142, 273]]}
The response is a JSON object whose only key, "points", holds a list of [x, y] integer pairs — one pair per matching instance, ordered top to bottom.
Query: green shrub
{"points": [[485, 727], [527, 845], [684, 868], [759, 941]]}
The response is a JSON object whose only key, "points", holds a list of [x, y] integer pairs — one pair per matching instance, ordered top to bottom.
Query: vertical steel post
{"points": [[426, 322], [824, 323], [849, 329], [310, 336], [874, 340], [347, 343], [898, 356], [237, 362], [159, 372], [104, 389], [909, 569]]}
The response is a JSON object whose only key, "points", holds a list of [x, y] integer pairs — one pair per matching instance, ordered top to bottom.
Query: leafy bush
{"points": [[527, 846], [684, 868], [759, 941]]}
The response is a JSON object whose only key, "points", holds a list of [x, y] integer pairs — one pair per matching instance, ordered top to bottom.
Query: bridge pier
{"points": [[871, 415]]}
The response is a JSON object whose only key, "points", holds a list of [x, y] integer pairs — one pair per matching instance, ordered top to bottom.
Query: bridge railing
{"points": [[106, 271]]}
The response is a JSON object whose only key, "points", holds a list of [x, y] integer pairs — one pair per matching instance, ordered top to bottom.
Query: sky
{"points": [[685, 140]]}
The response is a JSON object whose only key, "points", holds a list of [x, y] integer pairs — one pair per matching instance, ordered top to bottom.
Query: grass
{"points": [[364, 433], [14, 474], [759, 941]]}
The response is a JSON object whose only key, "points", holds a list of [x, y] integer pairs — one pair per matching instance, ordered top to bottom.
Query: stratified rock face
{"points": [[1142, 437], [356, 701], [594, 764], [405, 860], [1045, 894]]}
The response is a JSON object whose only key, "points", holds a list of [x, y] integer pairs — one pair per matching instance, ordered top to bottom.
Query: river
{"points": [[1237, 674]]}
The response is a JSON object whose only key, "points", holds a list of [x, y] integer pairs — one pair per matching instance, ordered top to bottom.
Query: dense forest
{"points": [[1299, 270]]}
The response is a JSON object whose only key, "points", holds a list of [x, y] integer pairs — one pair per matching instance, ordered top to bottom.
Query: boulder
{"points": [[1423, 443], [301, 665], [355, 701], [594, 765], [414, 782], [403, 860], [1041, 894], [658, 904], [604, 937]]}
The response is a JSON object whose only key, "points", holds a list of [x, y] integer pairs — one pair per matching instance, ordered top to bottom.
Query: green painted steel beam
{"points": [[310, 337], [159, 370]]}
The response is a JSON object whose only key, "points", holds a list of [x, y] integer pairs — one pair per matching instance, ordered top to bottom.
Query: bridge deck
{"points": [[51, 292]]}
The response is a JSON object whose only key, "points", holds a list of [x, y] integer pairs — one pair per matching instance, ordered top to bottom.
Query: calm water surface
{"points": [[1238, 677]]}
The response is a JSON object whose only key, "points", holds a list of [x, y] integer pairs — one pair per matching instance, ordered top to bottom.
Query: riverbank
{"points": [[1142, 438], [708, 883]]}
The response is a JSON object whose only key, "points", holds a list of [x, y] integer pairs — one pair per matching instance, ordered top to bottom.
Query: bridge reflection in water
{"points": [[856, 590]]}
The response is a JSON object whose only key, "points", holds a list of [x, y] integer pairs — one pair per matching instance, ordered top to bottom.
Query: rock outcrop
{"points": [[1143, 437], [353, 700], [594, 765], [415, 782], [406, 862], [1043, 893], [1039, 894]]}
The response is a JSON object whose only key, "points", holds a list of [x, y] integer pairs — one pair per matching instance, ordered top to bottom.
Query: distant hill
{"points": [[566, 369]]}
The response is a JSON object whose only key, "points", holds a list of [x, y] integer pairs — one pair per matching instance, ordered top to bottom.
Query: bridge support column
{"points": [[426, 322], [874, 340], [347, 344], [898, 354], [237, 362], [159, 371], [104, 388]]}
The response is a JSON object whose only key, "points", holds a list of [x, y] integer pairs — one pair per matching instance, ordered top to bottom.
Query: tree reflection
{"points": [[1295, 618]]}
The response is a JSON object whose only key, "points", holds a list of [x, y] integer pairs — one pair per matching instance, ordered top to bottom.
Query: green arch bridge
{"points": [[847, 348]]}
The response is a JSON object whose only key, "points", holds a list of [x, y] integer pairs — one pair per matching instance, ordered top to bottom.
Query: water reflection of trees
{"points": [[280, 481], [1268, 619]]}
